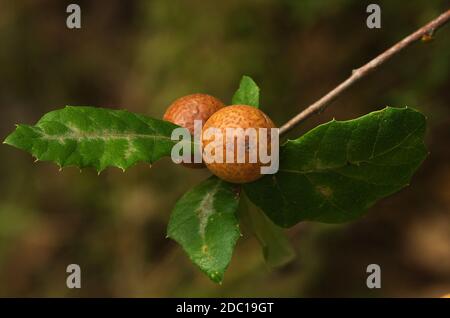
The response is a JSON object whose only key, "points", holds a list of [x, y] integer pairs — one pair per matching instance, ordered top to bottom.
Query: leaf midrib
{"points": [[105, 135], [206, 209]]}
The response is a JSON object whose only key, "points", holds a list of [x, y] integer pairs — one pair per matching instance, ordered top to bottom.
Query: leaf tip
{"points": [[246, 78], [247, 93], [7, 141], [216, 277]]}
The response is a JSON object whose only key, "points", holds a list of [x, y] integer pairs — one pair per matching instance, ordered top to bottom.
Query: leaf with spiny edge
{"points": [[247, 93], [84, 136], [336, 171], [204, 222]]}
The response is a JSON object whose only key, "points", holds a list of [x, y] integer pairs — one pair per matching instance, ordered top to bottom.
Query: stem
{"points": [[424, 33]]}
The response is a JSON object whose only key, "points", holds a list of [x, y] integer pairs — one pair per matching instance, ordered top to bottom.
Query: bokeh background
{"points": [[141, 55]]}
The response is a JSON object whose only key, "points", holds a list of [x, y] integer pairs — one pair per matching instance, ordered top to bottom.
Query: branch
{"points": [[424, 33]]}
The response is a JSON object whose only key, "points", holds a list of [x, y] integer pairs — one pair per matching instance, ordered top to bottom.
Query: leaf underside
{"points": [[247, 93], [94, 137], [335, 172], [205, 223], [275, 245]]}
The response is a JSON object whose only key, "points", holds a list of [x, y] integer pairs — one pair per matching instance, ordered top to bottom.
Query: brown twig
{"points": [[424, 33]]}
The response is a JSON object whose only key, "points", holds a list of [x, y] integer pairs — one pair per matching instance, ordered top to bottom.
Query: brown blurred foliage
{"points": [[142, 55]]}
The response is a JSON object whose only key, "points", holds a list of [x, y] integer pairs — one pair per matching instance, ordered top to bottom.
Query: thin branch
{"points": [[424, 33]]}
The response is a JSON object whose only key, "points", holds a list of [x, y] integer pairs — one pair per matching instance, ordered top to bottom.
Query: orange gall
{"points": [[185, 110], [236, 116]]}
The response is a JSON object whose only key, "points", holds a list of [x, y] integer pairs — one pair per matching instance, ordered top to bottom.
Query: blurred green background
{"points": [[141, 55]]}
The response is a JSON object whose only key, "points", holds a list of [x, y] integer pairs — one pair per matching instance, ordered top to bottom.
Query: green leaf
{"points": [[247, 94], [94, 137], [336, 171], [204, 222], [276, 248]]}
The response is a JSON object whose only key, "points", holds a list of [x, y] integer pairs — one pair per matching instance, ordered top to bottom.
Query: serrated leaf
{"points": [[247, 94], [94, 137], [336, 171], [204, 222], [276, 248]]}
